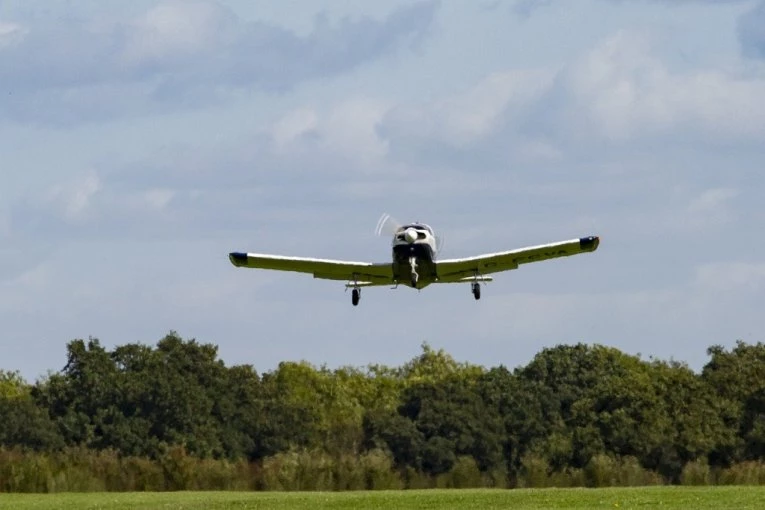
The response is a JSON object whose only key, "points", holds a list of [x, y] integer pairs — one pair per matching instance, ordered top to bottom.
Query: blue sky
{"points": [[141, 142]]}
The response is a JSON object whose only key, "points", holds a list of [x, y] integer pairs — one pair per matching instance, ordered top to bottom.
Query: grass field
{"points": [[644, 498]]}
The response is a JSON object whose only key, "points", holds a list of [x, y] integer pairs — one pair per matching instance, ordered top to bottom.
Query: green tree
{"points": [[737, 379], [12, 384], [139, 399], [597, 399], [451, 415], [695, 419], [23, 424]]}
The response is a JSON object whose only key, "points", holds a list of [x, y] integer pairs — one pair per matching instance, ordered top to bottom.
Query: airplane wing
{"points": [[461, 270], [364, 273]]}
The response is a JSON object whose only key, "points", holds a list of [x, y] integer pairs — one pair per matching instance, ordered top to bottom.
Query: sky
{"points": [[141, 142]]}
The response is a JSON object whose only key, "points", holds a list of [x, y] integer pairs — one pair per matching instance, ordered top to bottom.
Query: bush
{"points": [[177, 468], [298, 471], [378, 471], [601, 471], [607, 471], [22, 472], [534, 472], [696, 473], [745, 473], [139, 474], [348, 474], [464, 474], [632, 474], [571, 477], [496, 478], [414, 479]]}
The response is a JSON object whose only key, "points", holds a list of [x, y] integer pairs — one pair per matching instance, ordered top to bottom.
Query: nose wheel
{"points": [[476, 287], [355, 296]]}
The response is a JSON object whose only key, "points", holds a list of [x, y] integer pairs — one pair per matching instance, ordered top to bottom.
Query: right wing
{"points": [[461, 270], [363, 273]]}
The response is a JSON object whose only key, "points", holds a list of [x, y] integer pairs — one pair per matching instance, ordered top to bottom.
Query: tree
{"points": [[737, 379], [139, 399], [597, 399], [23, 424]]}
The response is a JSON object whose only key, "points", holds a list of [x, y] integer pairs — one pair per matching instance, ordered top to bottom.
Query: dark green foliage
{"points": [[737, 379], [138, 400], [174, 417], [24, 424]]}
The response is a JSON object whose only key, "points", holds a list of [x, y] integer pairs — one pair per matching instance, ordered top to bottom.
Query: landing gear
{"points": [[413, 271], [476, 287], [355, 296]]}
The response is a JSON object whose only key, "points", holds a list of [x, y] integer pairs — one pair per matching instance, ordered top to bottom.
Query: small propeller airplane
{"points": [[415, 264]]}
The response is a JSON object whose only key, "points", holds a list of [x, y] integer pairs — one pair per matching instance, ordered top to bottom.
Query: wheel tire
{"points": [[476, 291], [355, 296]]}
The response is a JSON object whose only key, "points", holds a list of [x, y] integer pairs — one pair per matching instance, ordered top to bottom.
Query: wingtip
{"points": [[589, 243], [238, 258]]}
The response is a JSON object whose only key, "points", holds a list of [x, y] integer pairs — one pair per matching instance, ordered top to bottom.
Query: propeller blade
{"points": [[387, 225]]}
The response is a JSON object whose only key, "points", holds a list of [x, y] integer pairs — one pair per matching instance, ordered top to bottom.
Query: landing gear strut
{"points": [[413, 270], [476, 287], [355, 296]]}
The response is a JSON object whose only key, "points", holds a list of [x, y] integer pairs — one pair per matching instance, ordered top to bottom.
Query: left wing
{"points": [[457, 270], [364, 273]]}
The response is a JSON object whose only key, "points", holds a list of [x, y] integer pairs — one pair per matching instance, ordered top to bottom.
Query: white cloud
{"points": [[179, 28], [11, 34], [183, 54], [618, 92], [626, 92], [464, 118], [293, 125], [345, 129], [350, 129], [74, 198], [158, 198], [711, 201], [709, 210], [36, 278]]}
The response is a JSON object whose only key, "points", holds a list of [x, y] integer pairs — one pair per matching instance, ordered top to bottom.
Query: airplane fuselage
{"points": [[414, 256]]}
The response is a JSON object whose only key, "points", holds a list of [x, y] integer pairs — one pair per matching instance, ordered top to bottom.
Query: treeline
{"points": [[174, 416]]}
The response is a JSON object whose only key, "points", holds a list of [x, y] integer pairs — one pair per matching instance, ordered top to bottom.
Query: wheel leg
{"points": [[413, 270], [355, 296]]}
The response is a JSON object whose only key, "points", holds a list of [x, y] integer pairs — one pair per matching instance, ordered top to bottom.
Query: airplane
{"points": [[415, 262]]}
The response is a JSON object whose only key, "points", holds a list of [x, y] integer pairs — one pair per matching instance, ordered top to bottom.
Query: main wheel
{"points": [[414, 282], [477, 291], [355, 296]]}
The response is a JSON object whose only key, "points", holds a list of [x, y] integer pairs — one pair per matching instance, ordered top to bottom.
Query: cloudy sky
{"points": [[140, 142]]}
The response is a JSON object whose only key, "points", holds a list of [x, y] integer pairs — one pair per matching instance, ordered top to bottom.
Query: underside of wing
{"points": [[460, 270], [363, 272]]}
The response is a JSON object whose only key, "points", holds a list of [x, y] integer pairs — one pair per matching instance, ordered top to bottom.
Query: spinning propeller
{"points": [[387, 225]]}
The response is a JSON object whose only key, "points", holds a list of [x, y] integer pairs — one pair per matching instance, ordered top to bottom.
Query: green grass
{"points": [[644, 498]]}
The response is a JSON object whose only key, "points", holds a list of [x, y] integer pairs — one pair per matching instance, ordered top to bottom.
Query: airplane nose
{"points": [[410, 235]]}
